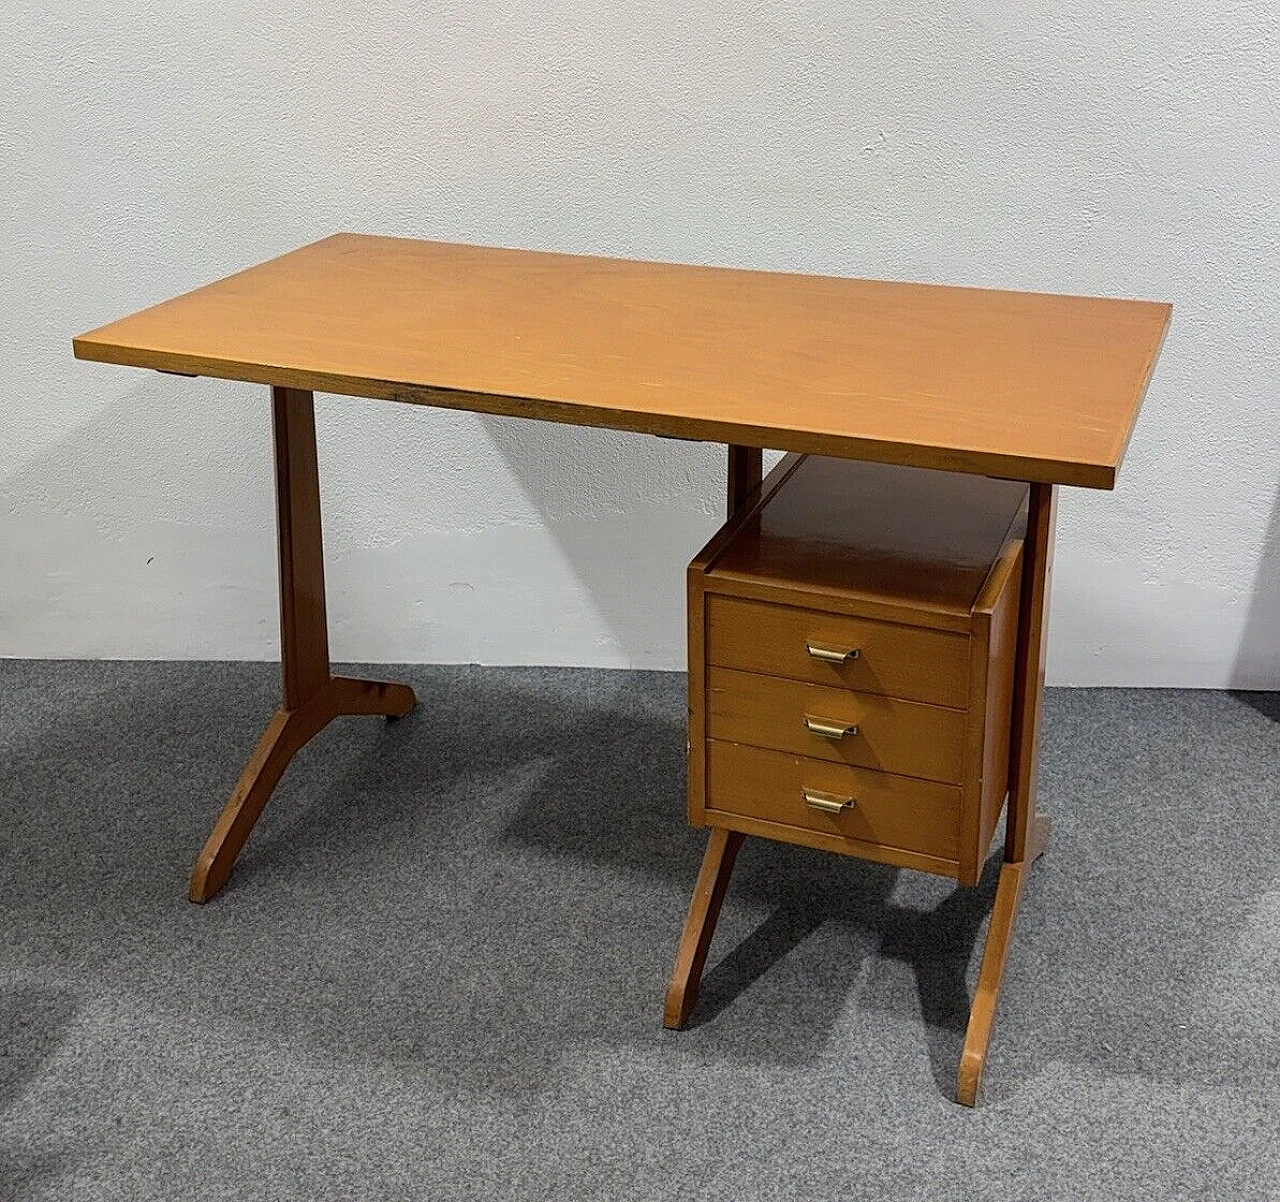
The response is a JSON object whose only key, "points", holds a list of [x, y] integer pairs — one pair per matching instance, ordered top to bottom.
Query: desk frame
{"points": [[313, 697]]}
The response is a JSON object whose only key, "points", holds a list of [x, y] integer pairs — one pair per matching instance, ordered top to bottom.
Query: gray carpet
{"points": [[438, 970]]}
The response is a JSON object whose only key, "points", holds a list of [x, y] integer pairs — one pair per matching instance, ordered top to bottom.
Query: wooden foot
{"points": [[745, 469], [287, 732], [1003, 918], [700, 925], [1000, 934], [983, 1011]]}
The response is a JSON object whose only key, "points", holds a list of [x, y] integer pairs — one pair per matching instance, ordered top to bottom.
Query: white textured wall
{"points": [[1120, 148]]}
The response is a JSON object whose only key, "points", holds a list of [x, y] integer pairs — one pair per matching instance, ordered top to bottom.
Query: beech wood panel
{"points": [[1027, 386], [745, 492], [742, 508], [893, 660], [904, 737], [888, 810]]}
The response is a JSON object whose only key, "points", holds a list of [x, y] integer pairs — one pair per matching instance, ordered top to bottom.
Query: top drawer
{"points": [[892, 660]]}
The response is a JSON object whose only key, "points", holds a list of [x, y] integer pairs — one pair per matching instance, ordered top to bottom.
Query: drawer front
{"points": [[894, 661], [902, 737], [890, 811]]}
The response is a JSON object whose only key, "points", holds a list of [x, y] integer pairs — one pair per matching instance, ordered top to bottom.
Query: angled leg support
{"points": [[312, 695], [1026, 830], [700, 925]]}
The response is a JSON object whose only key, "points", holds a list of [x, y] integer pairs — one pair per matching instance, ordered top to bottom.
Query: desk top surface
{"points": [[1024, 385]]}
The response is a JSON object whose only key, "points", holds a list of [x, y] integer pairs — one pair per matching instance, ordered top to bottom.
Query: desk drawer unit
{"points": [[851, 652]]}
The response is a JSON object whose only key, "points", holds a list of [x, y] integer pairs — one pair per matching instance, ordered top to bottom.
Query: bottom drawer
{"points": [[889, 811]]}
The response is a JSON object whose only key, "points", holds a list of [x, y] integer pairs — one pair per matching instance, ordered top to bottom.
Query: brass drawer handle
{"points": [[833, 655], [828, 729], [828, 803]]}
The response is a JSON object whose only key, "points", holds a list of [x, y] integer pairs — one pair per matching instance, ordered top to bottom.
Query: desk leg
{"points": [[746, 466], [746, 470], [313, 697], [1026, 830], [700, 925]]}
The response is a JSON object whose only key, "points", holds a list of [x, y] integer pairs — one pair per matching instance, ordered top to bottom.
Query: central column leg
{"points": [[746, 469], [304, 624], [313, 697]]}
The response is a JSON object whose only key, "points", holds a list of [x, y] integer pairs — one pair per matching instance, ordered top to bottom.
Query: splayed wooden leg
{"points": [[313, 697], [700, 925]]}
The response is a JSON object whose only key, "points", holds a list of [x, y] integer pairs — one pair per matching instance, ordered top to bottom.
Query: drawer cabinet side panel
{"points": [[999, 704], [696, 751]]}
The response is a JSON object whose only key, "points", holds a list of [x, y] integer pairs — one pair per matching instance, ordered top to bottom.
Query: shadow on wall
{"points": [[156, 510], [627, 511], [98, 524], [1257, 662]]}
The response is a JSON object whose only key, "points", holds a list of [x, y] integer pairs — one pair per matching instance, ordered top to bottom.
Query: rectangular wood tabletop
{"points": [[1025, 385]]}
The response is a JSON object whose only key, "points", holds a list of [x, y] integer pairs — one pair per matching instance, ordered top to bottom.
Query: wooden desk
{"points": [[1031, 387]]}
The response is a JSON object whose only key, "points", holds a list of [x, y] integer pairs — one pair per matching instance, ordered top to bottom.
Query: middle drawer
{"points": [[907, 738]]}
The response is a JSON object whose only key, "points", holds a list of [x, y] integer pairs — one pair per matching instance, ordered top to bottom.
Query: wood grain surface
{"points": [[1029, 386], [890, 535], [911, 662], [903, 737], [886, 810]]}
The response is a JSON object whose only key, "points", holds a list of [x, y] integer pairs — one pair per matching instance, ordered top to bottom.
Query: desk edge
{"points": [[1042, 470]]}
